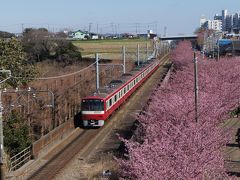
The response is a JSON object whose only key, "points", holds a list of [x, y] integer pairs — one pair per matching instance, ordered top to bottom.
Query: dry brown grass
{"points": [[111, 46], [51, 68], [69, 90], [81, 169], [95, 170]]}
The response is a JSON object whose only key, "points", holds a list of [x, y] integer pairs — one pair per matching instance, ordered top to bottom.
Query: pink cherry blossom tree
{"points": [[173, 145]]}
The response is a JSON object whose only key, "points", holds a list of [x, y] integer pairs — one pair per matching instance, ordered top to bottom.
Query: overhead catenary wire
{"points": [[56, 77]]}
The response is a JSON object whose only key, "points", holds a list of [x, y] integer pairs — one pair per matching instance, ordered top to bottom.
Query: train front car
{"points": [[93, 111]]}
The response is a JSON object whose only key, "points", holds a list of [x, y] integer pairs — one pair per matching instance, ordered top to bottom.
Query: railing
{"points": [[20, 159]]}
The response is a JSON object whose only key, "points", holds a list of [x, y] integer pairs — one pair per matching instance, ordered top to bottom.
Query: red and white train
{"points": [[98, 107]]}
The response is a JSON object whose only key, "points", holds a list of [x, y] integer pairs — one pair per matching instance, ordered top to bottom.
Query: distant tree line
{"points": [[4, 34], [40, 45]]}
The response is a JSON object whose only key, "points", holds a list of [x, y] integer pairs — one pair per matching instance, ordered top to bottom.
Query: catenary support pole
{"points": [[147, 49], [138, 57], [124, 58], [97, 72], [196, 86], [1, 138], [2, 170]]}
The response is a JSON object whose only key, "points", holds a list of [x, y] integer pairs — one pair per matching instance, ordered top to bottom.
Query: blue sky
{"points": [[178, 16]]}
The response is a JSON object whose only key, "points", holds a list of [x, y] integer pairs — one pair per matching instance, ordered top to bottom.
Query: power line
{"points": [[56, 77]]}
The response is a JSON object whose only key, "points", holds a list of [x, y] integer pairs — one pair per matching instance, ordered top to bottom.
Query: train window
{"points": [[128, 87], [125, 90], [115, 98], [110, 102], [107, 104], [92, 105]]}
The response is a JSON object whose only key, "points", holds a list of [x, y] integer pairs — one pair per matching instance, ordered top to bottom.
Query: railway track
{"points": [[87, 140]]}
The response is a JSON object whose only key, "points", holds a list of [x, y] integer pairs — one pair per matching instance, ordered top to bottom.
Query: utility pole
{"points": [[22, 25], [89, 28], [112, 28], [116, 31], [165, 31], [196, 86], [2, 174]]}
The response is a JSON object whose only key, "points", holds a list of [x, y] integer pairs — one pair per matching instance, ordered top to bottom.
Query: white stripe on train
{"points": [[92, 112]]}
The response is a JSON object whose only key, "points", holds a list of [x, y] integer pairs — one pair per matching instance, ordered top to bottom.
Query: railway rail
{"points": [[87, 140]]}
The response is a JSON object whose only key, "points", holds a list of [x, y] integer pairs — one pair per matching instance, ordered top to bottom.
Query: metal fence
{"points": [[20, 159]]}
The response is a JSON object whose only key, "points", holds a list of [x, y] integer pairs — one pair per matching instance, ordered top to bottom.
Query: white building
{"points": [[228, 23], [213, 25], [216, 25]]}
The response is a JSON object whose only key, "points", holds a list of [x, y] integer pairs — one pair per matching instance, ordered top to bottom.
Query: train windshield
{"points": [[92, 105]]}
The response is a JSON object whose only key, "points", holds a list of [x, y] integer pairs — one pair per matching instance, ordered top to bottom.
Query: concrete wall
{"points": [[47, 142]]}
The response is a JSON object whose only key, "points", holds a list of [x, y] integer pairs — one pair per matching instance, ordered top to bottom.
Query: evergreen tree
{"points": [[13, 58], [16, 134]]}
